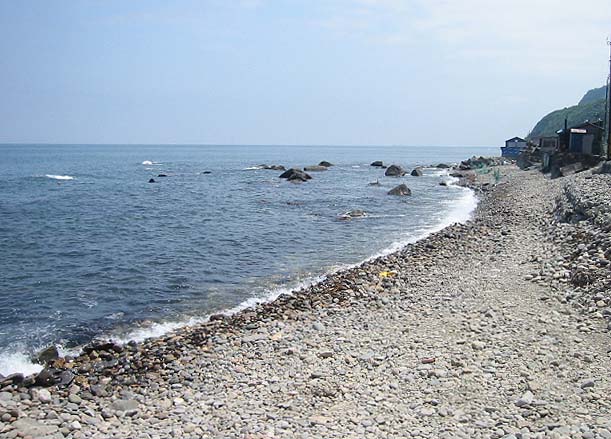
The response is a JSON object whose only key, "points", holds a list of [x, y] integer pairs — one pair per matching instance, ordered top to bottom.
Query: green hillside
{"points": [[591, 107]]}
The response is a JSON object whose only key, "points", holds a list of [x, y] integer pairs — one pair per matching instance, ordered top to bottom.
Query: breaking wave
{"points": [[59, 177]]}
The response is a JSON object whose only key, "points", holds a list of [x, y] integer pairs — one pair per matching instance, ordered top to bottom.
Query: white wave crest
{"points": [[150, 163], [59, 177], [17, 362]]}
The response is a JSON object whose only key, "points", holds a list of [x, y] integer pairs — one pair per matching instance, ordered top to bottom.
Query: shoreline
{"points": [[156, 330], [456, 343]]}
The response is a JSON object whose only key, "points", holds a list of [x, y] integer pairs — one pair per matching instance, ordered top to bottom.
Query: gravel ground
{"points": [[483, 330]]}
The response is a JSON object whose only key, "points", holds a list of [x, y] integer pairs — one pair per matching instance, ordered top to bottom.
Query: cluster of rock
{"points": [[480, 162], [299, 175], [578, 262]]}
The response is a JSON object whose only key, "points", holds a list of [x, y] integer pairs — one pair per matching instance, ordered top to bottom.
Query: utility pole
{"points": [[608, 105]]}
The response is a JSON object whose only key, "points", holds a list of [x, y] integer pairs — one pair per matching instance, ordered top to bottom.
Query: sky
{"points": [[322, 72]]}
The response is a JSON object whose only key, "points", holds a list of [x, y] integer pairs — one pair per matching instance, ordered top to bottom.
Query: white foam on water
{"points": [[150, 163], [253, 168], [59, 177], [155, 330], [17, 362]]}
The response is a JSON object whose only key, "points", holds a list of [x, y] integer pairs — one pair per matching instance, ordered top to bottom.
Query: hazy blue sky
{"points": [[413, 72]]}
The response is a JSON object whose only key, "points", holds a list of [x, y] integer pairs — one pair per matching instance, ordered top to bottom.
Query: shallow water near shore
{"points": [[91, 248]]}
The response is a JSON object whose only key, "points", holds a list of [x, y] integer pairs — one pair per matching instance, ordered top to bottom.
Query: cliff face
{"points": [[590, 107]]}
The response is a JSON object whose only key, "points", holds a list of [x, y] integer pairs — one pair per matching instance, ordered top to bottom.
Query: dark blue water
{"points": [[89, 247]]}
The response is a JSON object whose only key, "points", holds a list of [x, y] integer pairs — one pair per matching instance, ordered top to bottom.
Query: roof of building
{"points": [[596, 124]]}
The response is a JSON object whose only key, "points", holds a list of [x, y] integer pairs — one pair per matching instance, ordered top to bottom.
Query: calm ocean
{"points": [[90, 248]]}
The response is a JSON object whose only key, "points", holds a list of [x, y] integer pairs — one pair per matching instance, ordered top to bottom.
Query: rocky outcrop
{"points": [[480, 162], [326, 164], [378, 164], [272, 167], [315, 168], [395, 171], [416, 172], [295, 175], [401, 190], [581, 272], [47, 355]]}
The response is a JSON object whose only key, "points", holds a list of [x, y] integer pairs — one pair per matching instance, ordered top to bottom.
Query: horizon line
{"points": [[240, 144]]}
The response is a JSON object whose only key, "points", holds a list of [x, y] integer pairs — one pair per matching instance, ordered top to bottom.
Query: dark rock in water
{"points": [[378, 163], [326, 164], [442, 166], [272, 167], [315, 168], [395, 171], [207, 172], [417, 172], [457, 174], [162, 175], [295, 175], [300, 177], [152, 180], [375, 183], [443, 183], [400, 190], [47, 355], [47, 377]]}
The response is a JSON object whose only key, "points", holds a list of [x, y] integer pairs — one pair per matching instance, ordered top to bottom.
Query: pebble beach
{"points": [[496, 328]]}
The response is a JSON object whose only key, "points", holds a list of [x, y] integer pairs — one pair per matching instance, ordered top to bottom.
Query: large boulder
{"points": [[326, 164], [378, 164], [443, 166], [272, 167], [315, 168], [395, 171], [417, 172], [295, 175], [401, 190], [47, 355], [47, 377]]}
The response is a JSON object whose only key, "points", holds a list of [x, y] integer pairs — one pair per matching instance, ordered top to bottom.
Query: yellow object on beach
{"points": [[388, 273]]}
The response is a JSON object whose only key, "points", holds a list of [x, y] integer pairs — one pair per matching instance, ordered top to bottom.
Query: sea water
{"points": [[90, 248]]}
